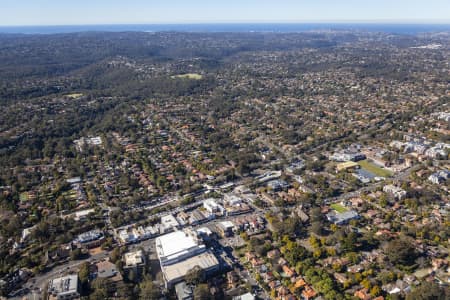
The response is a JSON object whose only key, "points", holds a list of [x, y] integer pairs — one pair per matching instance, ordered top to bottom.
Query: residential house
{"points": [[439, 177], [275, 253], [249, 256], [282, 261], [255, 262], [288, 271], [340, 277], [232, 279], [300, 283], [274, 284], [399, 286], [184, 291], [282, 291], [308, 293], [363, 294]]}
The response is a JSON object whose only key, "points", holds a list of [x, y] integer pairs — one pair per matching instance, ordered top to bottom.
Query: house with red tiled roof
{"points": [[273, 254], [249, 256], [256, 262], [288, 271], [267, 277], [340, 277], [300, 283], [274, 284], [282, 291], [308, 293], [363, 294], [288, 297]]}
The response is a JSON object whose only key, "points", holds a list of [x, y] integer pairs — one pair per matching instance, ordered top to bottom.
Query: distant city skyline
{"points": [[95, 12]]}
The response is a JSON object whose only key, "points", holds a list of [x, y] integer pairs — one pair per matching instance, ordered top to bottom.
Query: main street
{"points": [[34, 287]]}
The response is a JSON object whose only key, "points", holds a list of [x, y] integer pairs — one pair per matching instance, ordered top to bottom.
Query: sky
{"points": [[86, 12]]}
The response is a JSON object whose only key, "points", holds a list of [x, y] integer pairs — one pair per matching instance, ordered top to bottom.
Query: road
{"points": [[40, 281]]}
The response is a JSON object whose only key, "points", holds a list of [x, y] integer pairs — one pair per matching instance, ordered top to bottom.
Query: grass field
{"points": [[189, 76], [75, 95], [372, 168], [23, 197], [339, 208]]}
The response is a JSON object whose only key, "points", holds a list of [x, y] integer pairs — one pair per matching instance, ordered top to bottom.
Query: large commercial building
{"points": [[177, 246], [181, 251]]}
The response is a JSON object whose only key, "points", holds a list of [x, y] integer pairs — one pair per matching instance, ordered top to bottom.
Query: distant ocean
{"points": [[410, 29]]}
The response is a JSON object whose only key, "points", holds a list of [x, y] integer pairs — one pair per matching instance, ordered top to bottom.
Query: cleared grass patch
{"points": [[194, 76], [75, 95], [374, 169], [23, 197], [339, 208]]}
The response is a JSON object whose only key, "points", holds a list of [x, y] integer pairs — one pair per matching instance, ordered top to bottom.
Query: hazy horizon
{"points": [[115, 12], [356, 22], [395, 28]]}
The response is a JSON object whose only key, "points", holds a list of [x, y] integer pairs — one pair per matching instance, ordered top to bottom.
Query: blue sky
{"points": [[70, 12]]}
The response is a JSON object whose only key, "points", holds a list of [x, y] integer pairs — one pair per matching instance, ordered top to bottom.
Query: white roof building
{"points": [[95, 140], [82, 142], [270, 175], [439, 177], [73, 180], [241, 189], [397, 192], [232, 199], [212, 206], [82, 214], [342, 218], [169, 223], [227, 225], [204, 231], [26, 232], [89, 236], [124, 237], [176, 246], [180, 251], [134, 259], [64, 287], [247, 296]]}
